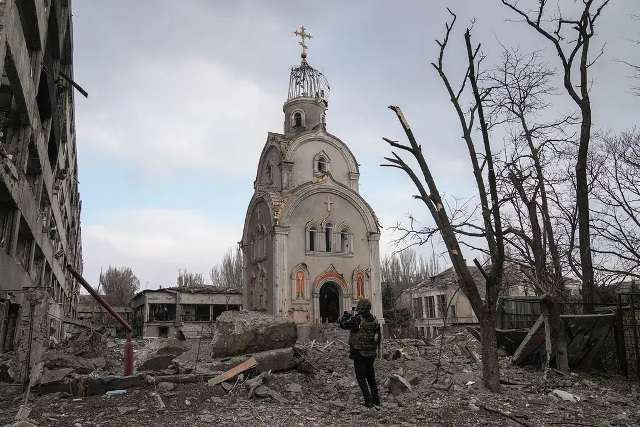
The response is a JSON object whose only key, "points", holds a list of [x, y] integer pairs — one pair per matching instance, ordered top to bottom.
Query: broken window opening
{"points": [[52, 150], [322, 164], [33, 170], [7, 216], [328, 234], [312, 239], [344, 241], [25, 242], [38, 265], [442, 305], [218, 309], [431, 309], [162, 312], [195, 312], [10, 319]]}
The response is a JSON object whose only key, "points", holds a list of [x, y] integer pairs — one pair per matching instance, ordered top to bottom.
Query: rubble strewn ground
{"points": [[323, 391]]}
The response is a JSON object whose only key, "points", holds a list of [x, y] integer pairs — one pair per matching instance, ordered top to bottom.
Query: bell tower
{"points": [[308, 96]]}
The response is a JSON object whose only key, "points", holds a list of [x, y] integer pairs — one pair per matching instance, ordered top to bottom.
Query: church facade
{"points": [[310, 241]]}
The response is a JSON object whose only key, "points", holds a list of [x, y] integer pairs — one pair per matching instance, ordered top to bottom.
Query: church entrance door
{"points": [[329, 302]]}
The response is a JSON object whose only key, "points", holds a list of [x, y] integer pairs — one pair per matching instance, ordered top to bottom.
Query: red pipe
{"points": [[128, 347]]}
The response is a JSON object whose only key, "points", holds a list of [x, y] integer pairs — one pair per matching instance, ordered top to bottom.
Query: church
{"points": [[310, 241]]}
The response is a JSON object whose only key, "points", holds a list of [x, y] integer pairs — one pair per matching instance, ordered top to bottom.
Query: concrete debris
{"points": [[245, 332], [282, 359], [157, 363], [439, 384], [398, 385], [166, 386], [294, 388], [116, 392], [565, 395], [158, 400], [23, 423]]}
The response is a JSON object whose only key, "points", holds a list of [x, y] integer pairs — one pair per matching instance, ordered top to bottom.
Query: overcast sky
{"points": [[183, 93]]}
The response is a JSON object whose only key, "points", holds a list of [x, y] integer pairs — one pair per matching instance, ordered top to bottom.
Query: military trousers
{"points": [[366, 377]]}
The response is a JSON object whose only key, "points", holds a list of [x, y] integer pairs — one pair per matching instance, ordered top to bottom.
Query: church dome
{"points": [[307, 82]]}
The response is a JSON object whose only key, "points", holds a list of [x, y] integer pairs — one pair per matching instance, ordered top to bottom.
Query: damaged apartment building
{"points": [[39, 200]]}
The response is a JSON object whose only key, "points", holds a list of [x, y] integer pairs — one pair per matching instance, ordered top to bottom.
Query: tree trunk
{"points": [[582, 201], [557, 353], [490, 368]]}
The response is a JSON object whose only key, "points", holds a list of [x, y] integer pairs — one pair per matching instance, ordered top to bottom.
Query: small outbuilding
{"points": [[192, 310]]}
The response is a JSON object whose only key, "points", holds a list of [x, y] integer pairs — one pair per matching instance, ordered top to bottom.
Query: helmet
{"points": [[363, 305]]}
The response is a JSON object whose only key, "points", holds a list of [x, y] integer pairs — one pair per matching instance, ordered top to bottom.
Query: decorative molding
{"points": [[331, 274]]}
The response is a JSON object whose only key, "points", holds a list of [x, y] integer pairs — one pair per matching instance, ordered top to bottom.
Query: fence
{"points": [[522, 312], [629, 317]]}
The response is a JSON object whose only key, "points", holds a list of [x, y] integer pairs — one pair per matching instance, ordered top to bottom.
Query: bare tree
{"points": [[573, 51], [521, 86], [482, 165], [616, 212], [406, 268], [228, 273], [187, 279], [119, 285]]}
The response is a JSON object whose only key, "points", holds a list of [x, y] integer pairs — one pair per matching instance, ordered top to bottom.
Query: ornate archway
{"points": [[331, 293]]}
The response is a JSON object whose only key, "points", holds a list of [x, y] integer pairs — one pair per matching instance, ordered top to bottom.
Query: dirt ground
{"points": [[331, 396]]}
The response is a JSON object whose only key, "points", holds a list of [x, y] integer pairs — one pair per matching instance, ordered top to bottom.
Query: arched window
{"points": [[297, 119], [322, 164], [269, 173], [328, 234], [312, 238], [344, 241], [300, 285]]}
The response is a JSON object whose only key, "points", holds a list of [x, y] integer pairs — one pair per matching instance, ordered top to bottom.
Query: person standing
{"points": [[364, 342]]}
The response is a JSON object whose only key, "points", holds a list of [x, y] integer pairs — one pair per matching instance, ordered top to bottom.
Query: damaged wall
{"points": [[39, 200]]}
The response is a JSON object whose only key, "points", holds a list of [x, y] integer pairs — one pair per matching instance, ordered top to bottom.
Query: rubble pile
{"points": [[242, 332], [421, 383]]}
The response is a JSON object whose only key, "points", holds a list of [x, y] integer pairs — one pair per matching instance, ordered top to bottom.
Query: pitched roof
{"points": [[513, 276]]}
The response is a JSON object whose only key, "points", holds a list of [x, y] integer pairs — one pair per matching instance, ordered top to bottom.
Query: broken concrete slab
{"points": [[244, 332], [282, 359], [56, 360], [157, 363], [398, 385], [565, 395]]}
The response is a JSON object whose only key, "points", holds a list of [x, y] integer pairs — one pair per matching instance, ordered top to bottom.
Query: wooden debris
{"points": [[531, 342], [327, 346], [238, 369], [505, 414]]}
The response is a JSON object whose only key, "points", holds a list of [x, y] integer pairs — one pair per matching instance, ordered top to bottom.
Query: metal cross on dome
{"points": [[300, 32]]}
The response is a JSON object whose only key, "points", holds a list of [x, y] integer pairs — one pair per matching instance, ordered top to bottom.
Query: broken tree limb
{"points": [[238, 369], [183, 378]]}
